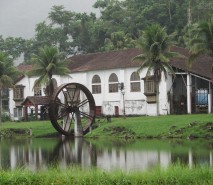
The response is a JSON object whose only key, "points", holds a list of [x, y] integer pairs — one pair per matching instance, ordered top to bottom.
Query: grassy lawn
{"points": [[196, 125], [180, 126], [39, 128], [178, 175]]}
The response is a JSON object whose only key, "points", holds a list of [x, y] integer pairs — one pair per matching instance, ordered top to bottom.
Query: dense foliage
{"points": [[118, 26], [7, 75]]}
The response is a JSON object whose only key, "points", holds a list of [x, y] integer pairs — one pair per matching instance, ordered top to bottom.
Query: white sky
{"points": [[18, 18]]}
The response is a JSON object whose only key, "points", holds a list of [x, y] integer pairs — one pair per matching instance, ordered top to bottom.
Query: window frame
{"points": [[113, 83], [96, 84], [135, 84], [149, 86], [37, 91], [18, 92], [18, 112]]}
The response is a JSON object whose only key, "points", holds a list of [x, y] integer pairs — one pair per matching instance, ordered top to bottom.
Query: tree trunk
{"points": [[169, 9], [189, 14], [157, 78], [51, 87], [157, 97]]}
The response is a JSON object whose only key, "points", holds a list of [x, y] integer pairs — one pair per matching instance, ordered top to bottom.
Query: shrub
{"points": [[5, 117]]}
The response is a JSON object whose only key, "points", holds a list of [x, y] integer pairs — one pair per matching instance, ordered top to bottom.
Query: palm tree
{"points": [[201, 42], [155, 44], [48, 62], [7, 74]]}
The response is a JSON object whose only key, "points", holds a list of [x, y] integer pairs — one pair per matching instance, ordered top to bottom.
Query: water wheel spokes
{"points": [[72, 105]]}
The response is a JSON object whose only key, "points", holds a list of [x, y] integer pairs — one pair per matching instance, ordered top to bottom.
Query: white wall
{"points": [[135, 102]]}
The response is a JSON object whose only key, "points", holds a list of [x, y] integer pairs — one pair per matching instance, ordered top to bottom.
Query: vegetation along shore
{"points": [[172, 175]]}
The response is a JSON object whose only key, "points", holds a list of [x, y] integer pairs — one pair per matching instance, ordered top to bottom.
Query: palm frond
{"points": [[202, 43], [155, 44], [193, 56], [140, 57], [47, 63], [7, 71], [35, 72], [42, 80], [6, 82]]}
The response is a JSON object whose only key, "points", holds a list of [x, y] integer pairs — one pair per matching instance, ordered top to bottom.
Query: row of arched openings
{"points": [[135, 85]]}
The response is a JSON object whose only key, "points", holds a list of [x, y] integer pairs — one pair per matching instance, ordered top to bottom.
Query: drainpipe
{"points": [[189, 90], [210, 99]]}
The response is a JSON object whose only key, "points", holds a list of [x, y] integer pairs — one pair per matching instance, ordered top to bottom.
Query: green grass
{"points": [[157, 126], [170, 126], [39, 128], [175, 175]]}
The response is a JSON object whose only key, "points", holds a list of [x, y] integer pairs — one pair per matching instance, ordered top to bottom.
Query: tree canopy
{"points": [[118, 26]]}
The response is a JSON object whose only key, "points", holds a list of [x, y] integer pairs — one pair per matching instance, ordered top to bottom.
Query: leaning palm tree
{"points": [[201, 41], [155, 44], [47, 63], [7, 74]]}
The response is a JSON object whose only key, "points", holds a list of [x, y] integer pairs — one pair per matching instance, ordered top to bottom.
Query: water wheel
{"points": [[72, 109]]}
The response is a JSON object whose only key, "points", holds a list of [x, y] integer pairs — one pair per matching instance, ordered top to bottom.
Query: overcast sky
{"points": [[18, 18]]}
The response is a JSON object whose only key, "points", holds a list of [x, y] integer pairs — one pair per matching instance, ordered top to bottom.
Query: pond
{"points": [[40, 153]]}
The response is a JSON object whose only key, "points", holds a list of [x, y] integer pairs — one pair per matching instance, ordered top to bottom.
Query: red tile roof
{"points": [[123, 59], [104, 60], [201, 66], [24, 68], [36, 100]]}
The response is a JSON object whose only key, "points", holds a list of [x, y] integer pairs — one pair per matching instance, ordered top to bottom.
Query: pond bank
{"points": [[170, 126]]}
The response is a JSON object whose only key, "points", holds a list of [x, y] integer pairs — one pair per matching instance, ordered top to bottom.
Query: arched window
{"points": [[113, 83], [96, 84], [135, 84], [37, 91]]}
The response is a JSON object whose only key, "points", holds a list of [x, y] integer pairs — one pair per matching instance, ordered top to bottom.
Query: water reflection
{"points": [[37, 154]]}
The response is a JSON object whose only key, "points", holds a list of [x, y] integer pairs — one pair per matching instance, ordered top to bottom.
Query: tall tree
{"points": [[119, 40], [201, 42], [14, 47], [156, 54], [47, 63], [7, 74]]}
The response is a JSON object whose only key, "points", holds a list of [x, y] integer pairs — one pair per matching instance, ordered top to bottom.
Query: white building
{"points": [[118, 89]]}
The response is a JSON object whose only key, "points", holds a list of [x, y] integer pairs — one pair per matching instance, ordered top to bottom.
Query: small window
{"points": [[113, 83], [135, 84], [96, 85], [149, 86], [37, 91], [18, 92], [5, 93], [5, 99], [5, 105], [18, 112]]}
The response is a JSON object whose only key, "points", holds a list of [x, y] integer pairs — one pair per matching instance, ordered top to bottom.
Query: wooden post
{"points": [[25, 113]]}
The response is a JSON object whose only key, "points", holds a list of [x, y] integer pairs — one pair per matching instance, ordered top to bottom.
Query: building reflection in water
{"points": [[35, 154]]}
